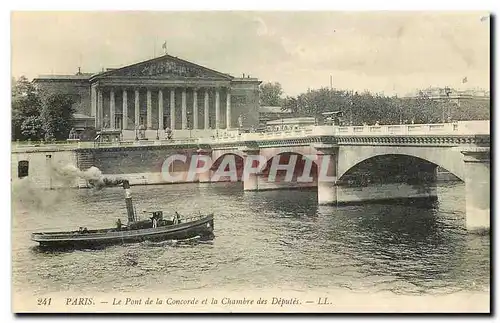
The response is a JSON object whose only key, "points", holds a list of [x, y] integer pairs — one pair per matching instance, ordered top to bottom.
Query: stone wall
{"points": [[78, 90], [245, 102], [40, 165]]}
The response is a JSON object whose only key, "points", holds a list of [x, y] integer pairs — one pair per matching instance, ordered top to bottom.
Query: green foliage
{"points": [[270, 94], [25, 104], [361, 108], [38, 115], [57, 116], [31, 127]]}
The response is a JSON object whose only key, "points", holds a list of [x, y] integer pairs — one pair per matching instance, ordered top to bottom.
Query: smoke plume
{"points": [[93, 175], [28, 195]]}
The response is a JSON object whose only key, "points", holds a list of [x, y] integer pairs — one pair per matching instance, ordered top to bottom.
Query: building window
{"points": [[23, 168]]}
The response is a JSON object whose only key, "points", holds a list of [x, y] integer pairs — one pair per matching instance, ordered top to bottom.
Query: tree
{"points": [[270, 94], [26, 107], [368, 108], [37, 115], [57, 116], [31, 128]]}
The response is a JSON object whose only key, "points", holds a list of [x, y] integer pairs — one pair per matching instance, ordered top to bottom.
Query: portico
{"points": [[168, 92], [162, 107]]}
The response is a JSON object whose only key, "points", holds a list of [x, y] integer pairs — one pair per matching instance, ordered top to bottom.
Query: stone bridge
{"points": [[362, 163], [372, 163]]}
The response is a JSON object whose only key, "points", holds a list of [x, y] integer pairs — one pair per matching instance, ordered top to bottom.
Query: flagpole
{"points": [[154, 47], [164, 47]]}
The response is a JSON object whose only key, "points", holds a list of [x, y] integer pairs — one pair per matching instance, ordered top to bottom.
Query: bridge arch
{"points": [[446, 158], [224, 162], [305, 166]]}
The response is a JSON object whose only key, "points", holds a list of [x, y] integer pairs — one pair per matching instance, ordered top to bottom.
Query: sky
{"points": [[390, 52]]}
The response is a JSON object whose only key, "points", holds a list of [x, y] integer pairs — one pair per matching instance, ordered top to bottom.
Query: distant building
{"points": [[164, 92], [444, 93], [469, 104], [268, 113], [289, 124]]}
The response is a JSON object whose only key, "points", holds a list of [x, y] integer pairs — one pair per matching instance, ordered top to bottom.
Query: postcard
{"points": [[256, 162]]}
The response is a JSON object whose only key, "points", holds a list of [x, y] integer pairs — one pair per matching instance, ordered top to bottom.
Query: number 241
{"points": [[44, 301]]}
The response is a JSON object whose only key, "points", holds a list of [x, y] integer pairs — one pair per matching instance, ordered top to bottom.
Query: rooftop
{"points": [[82, 77], [272, 109]]}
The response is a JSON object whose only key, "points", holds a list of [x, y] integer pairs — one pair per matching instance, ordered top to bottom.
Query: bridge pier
{"points": [[252, 168], [327, 174], [204, 176], [251, 183], [477, 188]]}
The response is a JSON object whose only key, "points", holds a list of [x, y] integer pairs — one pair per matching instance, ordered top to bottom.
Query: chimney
{"points": [[128, 202]]}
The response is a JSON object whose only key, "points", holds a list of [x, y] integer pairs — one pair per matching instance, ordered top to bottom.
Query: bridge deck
{"points": [[461, 128]]}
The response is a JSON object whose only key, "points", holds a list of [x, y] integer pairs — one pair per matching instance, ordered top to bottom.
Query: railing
{"points": [[479, 127], [65, 145]]}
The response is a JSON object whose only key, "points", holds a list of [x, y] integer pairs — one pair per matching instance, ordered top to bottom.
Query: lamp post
{"points": [[447, 91]]}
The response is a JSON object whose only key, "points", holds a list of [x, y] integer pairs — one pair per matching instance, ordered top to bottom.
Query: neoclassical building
{"points": [[164, 92]]}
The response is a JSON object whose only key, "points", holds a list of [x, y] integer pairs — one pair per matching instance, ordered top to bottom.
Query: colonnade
{"points": [[110, 121]]}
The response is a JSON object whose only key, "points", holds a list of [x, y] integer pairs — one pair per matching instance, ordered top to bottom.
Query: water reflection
{"points": [[293, 203], [271, 238]]}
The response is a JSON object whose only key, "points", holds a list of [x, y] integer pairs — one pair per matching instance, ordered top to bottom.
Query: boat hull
{"points": [[96, 239]]}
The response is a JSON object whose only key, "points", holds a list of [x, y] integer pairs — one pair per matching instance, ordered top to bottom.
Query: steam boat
{"points": [[156, 228]]}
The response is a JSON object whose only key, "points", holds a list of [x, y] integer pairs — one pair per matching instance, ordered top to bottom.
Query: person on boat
{"points": [[177, 218], [170, 219], [154, 220], [118, 225], [85, 230]]}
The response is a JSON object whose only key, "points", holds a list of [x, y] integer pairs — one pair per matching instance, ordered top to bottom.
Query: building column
{"points": [[93, 102], [100, 108], [112, 109], [172, 109], [184, 109], [195, 109], [217, 109], [228, 109], [125, 110], [149, 110], [160, 110], [137, 111], [206, 113], [326, 160], [477, 188]]}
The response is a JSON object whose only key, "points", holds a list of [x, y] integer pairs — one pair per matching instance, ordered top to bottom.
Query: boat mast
{"points": [[128, 202]]}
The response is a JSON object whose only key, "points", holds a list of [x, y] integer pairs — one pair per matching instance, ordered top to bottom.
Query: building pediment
{"points": [[165, 67]]}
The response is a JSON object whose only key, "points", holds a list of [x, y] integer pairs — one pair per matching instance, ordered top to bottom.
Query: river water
{"points": [[271, 239]]}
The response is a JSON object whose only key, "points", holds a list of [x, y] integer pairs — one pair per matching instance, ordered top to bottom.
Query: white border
{"points": [[176, 5]]}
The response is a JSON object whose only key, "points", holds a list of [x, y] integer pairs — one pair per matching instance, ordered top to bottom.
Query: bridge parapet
{"points": [[479, 127], [456, 129]]}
